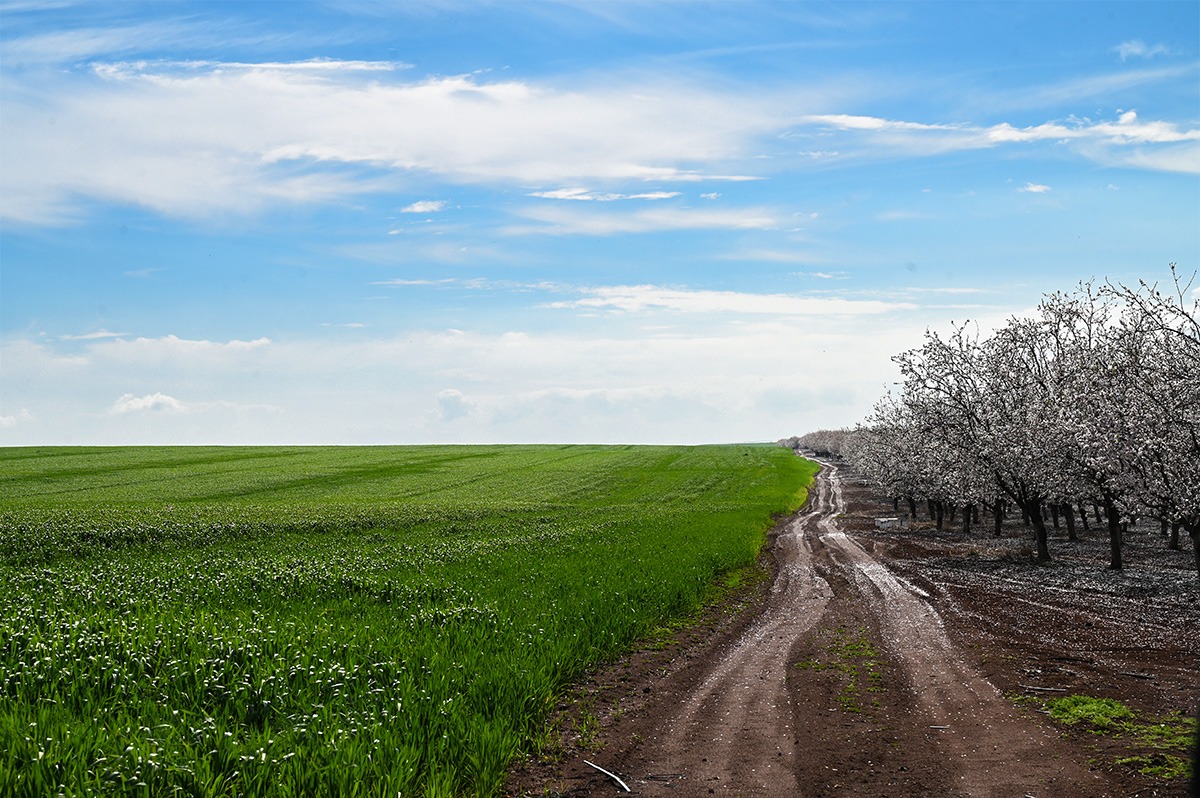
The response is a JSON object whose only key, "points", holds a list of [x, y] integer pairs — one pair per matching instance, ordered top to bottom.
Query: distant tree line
{"points": [[1090, 404]]}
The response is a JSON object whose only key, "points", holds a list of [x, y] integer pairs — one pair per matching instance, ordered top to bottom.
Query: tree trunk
{"points": [[896, 505], [912, 508], [932, 509], [1033, 510], [968, 511], [941, 512], [953, 512], [1026, 514], [1099, 514], [1054, 515], [1083, 516], [1069, 517], [998, 518], [1193, 530], [1114, 533], [1173, 541]]}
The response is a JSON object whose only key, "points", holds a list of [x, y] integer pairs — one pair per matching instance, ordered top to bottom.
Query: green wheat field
{"points": [[382, 621]]}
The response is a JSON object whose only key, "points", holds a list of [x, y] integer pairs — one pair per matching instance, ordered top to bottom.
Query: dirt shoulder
{"points": [[914, 662]]}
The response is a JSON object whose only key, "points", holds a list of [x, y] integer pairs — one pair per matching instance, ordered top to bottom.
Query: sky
{"points": [[557, 222]]}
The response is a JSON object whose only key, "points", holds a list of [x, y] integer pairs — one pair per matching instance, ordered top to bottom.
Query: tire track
{"points": [[737, 732], [734, 733]]}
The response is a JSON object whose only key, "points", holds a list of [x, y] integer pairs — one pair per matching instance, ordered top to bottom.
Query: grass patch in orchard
{"points": [[343, 620], [1102, 713], [1159, 747]]}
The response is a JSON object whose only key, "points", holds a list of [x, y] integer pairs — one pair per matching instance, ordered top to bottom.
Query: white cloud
{"points": [[81, 43], [1137, 48], [139, 69], [853, 122], [202, 139], [206, 139], [1101, 140], [1180, 158], [1034, 188], [583, 194], [424, 206], [557, 220], [825, 275], [403, 281], [636, 298], [98, 335], [174, 348], [642, 364], [128, 403], [453, 405], [22, 416]]}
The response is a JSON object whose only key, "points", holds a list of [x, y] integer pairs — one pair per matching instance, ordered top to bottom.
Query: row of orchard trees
{"points": [[1092, 401]]}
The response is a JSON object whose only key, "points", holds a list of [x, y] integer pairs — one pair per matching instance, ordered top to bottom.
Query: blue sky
{"points": [[673, 222]]}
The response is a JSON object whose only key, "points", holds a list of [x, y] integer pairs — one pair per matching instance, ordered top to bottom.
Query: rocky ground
{"points": [[856, 661]]}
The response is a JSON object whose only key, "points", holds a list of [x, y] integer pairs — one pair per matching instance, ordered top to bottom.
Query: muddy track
{"points": [[744, 720]]}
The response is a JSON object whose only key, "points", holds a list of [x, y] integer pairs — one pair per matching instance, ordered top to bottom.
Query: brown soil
{"points": [[894, 663]]}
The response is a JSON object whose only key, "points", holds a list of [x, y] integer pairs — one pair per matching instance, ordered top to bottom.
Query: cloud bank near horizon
{"points": [[550, 221]]}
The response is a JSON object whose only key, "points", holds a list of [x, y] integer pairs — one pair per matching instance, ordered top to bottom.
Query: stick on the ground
{"points": [[1042, 689], [612, 776]]}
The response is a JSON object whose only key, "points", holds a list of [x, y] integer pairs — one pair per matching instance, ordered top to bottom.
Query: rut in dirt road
{"points": [[735, 731], [750, 749]]}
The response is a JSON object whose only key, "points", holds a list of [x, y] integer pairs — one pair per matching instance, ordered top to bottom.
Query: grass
{"points": [[340, 621], [852, 654], [1101, 713], [1158, 747]]}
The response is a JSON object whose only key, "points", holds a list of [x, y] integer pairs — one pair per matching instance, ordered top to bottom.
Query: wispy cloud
{"points": [[68, 46], [1137, 48], [117, 70], [1072, 91], [217, 137], [203, 138], [1124, 139], [1034, 188], [586, 195], [424, 206], [565, 221], [825, 275], [405, 281], [639, 298], [98, 335]]}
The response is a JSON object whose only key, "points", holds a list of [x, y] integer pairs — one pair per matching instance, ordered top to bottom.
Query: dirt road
{"points": [[844, 681], [740, 733]]}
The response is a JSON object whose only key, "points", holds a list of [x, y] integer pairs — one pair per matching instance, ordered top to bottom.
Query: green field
{"points": [[374, 621]]}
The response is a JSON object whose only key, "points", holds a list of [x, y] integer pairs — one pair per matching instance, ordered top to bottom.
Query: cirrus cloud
{"points": [[637, 298]]}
